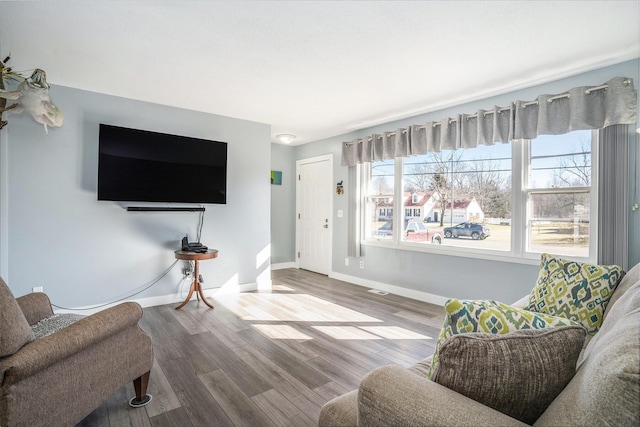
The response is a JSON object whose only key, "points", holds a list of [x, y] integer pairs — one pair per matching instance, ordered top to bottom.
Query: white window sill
{"points": [[492, 255]]}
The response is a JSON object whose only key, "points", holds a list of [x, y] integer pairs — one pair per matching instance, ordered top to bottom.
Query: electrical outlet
{"points": [[346, 262], [361, 264], [187, 270], [37, 289]]}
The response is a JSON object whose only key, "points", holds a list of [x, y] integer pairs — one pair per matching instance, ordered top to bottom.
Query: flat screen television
{"points": [[143, 166]]}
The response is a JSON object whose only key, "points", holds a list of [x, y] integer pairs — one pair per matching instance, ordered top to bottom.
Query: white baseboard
{"points": [[283, 265], [392, 289], [165, 299]]}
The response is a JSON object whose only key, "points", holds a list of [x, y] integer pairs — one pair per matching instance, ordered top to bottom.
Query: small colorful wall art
{"points": [[276, 177]]}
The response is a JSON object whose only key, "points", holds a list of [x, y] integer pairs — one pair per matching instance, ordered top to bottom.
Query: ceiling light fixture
{"points": [[285, 138]]}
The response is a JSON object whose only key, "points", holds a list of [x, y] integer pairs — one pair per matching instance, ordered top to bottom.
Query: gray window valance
{"points": [[581, 108]]}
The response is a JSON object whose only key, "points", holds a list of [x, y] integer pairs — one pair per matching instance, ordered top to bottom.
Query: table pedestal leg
{"points": [[196, 287]]}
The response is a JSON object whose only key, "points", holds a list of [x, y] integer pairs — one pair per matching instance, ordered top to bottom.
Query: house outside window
{"points": [[530, 196], [379, 198]]}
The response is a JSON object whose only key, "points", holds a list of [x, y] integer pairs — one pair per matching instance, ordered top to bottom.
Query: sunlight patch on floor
{"points": [[282, 288], [289, 308], [281, 332], [346, 333], [370, 333], [395, 333]]}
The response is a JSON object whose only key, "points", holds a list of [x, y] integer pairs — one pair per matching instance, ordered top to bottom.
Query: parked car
{"points": [[386, 229], [468, 229], [415, 231]]}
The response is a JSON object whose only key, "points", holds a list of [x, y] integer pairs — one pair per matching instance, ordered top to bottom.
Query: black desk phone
{"points": [[193, 247]]}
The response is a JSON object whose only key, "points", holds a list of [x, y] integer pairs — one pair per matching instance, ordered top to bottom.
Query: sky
{"points": [[543, 150]]}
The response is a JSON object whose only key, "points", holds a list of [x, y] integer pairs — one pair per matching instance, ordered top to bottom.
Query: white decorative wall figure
{"points": [[31, 96]]}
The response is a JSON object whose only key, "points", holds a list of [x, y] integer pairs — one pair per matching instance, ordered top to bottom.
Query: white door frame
{"points": [[325, 157]]}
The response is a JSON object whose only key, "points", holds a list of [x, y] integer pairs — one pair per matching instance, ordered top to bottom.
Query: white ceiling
{"points": [[315, 68]]}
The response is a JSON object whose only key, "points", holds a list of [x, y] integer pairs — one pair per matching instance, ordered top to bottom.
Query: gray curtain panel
{"points": [[581, 108], [613, 206], [353, 225]]}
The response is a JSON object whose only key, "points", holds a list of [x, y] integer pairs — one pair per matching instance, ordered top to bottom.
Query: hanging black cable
{"points": [[123, 298]]}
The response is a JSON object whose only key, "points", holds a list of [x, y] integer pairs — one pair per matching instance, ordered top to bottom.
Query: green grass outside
{"points": [[559, 234]]}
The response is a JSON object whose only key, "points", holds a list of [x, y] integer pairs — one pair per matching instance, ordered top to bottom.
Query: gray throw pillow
{"points": [[14, 328], [518, 374]]}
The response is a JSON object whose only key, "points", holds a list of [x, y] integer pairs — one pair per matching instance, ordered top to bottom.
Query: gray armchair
{"points": [[59, 379]]}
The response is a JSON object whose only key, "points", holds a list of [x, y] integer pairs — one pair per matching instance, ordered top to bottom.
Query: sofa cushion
{"points": [[574, 290], [463, 316], [15, 331], [422, 367], [518, 374], [606, 387]]}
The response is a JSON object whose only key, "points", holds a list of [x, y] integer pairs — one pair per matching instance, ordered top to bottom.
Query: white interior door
{"points": [[314, 202]]}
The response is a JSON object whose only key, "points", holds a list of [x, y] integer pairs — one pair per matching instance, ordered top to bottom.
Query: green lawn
{"points": [[552, 234]]}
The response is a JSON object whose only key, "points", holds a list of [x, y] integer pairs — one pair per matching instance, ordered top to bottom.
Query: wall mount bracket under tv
{"points": [[143, 166], [165, 209]]}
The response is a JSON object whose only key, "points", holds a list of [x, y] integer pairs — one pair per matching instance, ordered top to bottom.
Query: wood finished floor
{"points": [[271, 359]]}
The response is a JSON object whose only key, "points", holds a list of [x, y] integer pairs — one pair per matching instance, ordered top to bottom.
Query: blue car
{"points": [[468, 229]]}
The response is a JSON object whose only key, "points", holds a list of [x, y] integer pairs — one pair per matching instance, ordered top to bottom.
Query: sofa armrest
{"points": [[35, 307], [44, 352], [391, 395]]}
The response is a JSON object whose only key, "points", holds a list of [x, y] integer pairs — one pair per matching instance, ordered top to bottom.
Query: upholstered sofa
{"points": [[55, 370], [603, 386]]}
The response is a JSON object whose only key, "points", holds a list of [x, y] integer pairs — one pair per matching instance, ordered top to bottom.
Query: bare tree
{"points": [[574, 170], [437, 172], [419, 177], [456, 179], [486, 182], [449, 184], [441, 185], [382, 186]]}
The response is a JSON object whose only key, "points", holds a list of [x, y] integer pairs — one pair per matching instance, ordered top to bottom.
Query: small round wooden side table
{"points": [[196, 286]]}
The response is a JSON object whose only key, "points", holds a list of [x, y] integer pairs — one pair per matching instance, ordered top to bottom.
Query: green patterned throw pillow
{"points": [[574, 290], [463, 316]]}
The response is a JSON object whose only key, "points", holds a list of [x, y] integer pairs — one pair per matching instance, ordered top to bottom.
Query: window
{"points": [[470, 186], [558, 193], [379, 196], [517, 199]]}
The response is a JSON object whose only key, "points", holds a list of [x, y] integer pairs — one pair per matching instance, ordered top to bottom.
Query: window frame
{"points": [[527, 191], [518, 253]]}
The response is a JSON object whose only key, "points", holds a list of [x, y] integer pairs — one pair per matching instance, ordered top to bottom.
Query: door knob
{"points": [[326, 226]]}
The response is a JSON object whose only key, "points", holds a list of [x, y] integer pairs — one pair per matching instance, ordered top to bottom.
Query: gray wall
{"points": [[283, 205], [54, 233], [451, 276]]}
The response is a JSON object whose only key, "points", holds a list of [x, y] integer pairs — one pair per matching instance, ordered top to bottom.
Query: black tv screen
{"points": [[142, 166]]}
